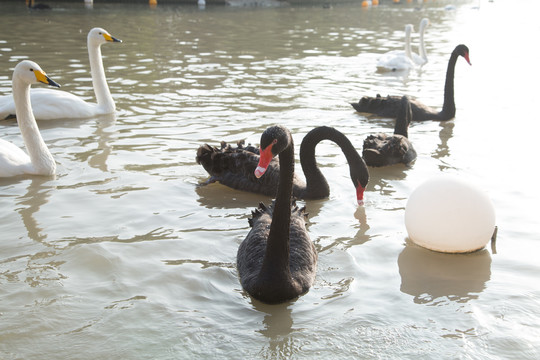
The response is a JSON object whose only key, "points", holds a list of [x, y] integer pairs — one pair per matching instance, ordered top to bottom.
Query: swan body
{"points": [[38, 6], [421, 58], [398, 60], [48, 104], [390, 106], [383, 149], [13, 160], [234, 167], [277, 261]]}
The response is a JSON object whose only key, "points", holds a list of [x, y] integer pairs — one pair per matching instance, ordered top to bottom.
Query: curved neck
{"points": [[408, 43], [421, 47], [99, 82], [449, 106], [402, 120], [40, 156], [316, 184], [276, 258]]}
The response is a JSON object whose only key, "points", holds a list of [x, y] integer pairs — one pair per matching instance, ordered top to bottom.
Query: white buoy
{"points": [[449, 215]]}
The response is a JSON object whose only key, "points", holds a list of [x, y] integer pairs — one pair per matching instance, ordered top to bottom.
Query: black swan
{"points": [[38, 6], [389, 106], [382, 149], [235, 166], [277, 261]]}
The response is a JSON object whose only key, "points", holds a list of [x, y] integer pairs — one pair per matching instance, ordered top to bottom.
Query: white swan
{"points": [[421, 59], [397, 60], [49, 104], [13, 160]]}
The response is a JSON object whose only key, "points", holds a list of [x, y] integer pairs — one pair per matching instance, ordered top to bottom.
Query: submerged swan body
{"points": [[421, 58], [398, 60], [48, 104], [390, 106], [383, 149], [13, 160], [234, 167], [277, 261]]}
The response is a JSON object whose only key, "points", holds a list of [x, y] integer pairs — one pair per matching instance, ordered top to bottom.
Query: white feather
{"points": [[49, 104], [38, 160]]}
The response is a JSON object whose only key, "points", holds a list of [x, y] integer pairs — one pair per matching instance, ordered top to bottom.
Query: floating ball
{"points": [[447, 214]]}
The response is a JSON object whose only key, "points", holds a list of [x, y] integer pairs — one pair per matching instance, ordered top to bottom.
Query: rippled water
{"points": [[124, 255]]}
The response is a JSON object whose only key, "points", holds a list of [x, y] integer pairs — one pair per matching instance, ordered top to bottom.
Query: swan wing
{"points": [[387, 60], [395, 62], [49, 104], [7, 107], [383, 149], [13, 160], [235, 167], [303, 255]]}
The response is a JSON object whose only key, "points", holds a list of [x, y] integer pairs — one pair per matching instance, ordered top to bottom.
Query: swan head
{"points": [[423, 23], [409, 28], [98, 36], [463, 50], [30, 73], [274, 140], [360, 176]]}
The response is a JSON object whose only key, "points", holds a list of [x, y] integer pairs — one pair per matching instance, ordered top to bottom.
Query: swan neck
{"points": [[421, 46], [408, 52], [99, 82], [449, 106], [402, 123], [40, 156], [316, 184], [277, 248]]}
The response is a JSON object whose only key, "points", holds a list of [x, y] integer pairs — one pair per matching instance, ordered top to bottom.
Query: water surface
{"points": [[124, 255]]}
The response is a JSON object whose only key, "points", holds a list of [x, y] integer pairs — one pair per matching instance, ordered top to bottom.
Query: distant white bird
{"points": [[418, 59], [421, 59], [397, 60], [48, 104], [13, 160]]}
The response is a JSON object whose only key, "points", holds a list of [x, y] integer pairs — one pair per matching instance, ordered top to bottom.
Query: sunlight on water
{"points": [[124, 254]]}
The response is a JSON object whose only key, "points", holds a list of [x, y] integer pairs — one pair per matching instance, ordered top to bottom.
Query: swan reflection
{"points": [[102, 135], [443, 150], [98, 158], [382, 178], [37, 195], [217, 196], [347, 241], [42, 265], [428, 275], [278, 328]]}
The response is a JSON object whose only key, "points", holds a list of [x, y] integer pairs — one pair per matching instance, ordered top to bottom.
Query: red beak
{"points": [[467, 58], [264, 160], [360, 194]]}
